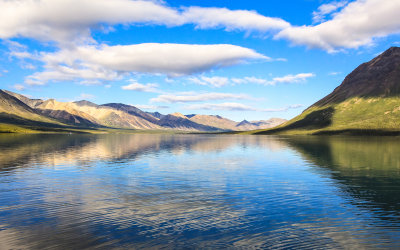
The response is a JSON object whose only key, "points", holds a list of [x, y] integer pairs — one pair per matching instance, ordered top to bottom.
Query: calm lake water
{"points": [[199, 191]]}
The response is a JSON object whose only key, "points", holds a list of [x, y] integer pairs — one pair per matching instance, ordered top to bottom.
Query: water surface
{"points": [[199, 191]]}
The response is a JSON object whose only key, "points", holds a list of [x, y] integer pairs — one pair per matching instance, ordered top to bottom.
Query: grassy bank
{"points": [[356, 116], [32, 129]]}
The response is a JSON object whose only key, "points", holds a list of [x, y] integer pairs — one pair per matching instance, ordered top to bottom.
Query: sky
{"points": [[250, 60]]}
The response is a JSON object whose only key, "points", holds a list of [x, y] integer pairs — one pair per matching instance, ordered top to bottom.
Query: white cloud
{"points": [[325, 9], [205, 18], [66, 20], [71, 20], [355, 25], [280, 59], [111, 62], [28, 66], [60, 72], [334, 73], [291, 78], [250, 79], [284, 79], [169, 80], [215, 81], [218, 81], [90, 82], [19, 87], [150, 87], [84, 96], [195, 97], [229, 106], [233, 106], [151, 107], [284, 109]]}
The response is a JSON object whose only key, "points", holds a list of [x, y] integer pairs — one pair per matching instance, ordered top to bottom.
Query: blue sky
{"points": [[240, 59]]}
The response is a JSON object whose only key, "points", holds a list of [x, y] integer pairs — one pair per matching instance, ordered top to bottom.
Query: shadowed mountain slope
{"points": [[379, 77], [367, 102], [10, 105], [21, 110], [132, 111], [213, 121], [181, 122], [226, 124], [367, 167]]}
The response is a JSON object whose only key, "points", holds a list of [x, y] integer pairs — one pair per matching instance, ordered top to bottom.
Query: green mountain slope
{"points": [[367, 102], [12, 110], [16, 116]]}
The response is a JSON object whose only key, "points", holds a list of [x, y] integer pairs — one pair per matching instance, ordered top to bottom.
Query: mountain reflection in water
{"points": [[194, 191]]}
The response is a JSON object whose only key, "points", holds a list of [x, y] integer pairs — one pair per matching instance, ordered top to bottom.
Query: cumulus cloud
{"points": [[325, 9], [205, 18], [66, 20], [72, 20], [351, 25], [355, 25], [18, 50], [111, 62], [86, 74], [291, 78], [250, 79], [215, 81], [218, 81], [19, 87], [150, 87], [85, 96], [194, 97], [229, 106], [233, 106], [150, 107]]}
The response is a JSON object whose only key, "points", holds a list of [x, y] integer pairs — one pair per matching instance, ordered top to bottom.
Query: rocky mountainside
{"points": [[379, 77], [30, 102], [366, 102], [12, 108], [132, 111], [85, 114], [100, 115], [213, 121], [181, 122], [224, 123]]}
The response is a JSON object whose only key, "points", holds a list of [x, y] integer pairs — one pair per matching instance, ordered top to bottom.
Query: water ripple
{"points": [[198, 191]]}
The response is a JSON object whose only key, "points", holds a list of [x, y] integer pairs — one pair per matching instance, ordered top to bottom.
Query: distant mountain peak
{"points": [[393, 49], [85, 103], [121, 106], [156, 114], [177, 114], [111, 115], [190, 116], [242, 123]]}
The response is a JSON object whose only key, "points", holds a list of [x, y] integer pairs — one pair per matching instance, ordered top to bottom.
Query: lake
{"points": [[199, 191]]}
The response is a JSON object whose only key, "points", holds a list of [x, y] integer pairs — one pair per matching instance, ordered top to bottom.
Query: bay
{"points": [[199, 191]]}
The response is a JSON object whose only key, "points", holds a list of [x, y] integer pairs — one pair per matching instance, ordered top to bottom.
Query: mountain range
{"points": [[366, 102], [20, 113]]}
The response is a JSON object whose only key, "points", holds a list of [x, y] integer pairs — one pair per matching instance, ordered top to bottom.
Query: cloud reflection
{"points": [[193, 191]]}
